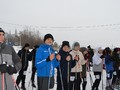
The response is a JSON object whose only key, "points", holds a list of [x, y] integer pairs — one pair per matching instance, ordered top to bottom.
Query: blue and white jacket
{"points": [[44, 68]]}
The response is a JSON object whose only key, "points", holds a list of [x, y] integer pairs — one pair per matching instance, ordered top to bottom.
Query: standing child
{"points": [[24, 56], [46, 61], [66, 63], [84, 67], [97, 67], [109, 68], [75, 77]]}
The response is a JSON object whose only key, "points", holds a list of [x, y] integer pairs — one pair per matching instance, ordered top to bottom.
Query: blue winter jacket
{"points": [[109, 63], [45, 68]]}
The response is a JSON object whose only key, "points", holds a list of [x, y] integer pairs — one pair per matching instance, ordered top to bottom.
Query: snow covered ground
{"points": [[28, 76], [29, 87]]}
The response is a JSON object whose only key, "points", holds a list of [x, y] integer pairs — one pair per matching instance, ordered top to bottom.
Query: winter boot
{"points": [[33, 85], [84, 85], [23, 87], [93, 88], [109, 88]]}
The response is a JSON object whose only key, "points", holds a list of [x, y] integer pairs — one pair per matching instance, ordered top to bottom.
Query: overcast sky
{"points": [[76, 15]]}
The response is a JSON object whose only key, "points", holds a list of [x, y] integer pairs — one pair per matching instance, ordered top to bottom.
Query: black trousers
{"points": [[33, 74], [118, 74], [21, 77], [114, 78], [97, 80], [64, 82], [43, 83], [84, 83], [75, 85]]}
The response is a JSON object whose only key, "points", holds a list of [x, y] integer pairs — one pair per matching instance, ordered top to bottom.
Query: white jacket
{"points": [[97, 61], [78, 66]]}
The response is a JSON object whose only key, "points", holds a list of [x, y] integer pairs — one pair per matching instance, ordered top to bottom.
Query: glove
{"points": [[102, 57], [48, 59], [3, 68], [11, 70]]}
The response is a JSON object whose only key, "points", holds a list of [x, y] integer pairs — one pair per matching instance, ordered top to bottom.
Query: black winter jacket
{"points": [[24, 56], [64, 64]]}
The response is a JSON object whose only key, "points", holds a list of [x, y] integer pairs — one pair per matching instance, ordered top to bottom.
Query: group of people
{"points": [[110, 61], [72, 65]]}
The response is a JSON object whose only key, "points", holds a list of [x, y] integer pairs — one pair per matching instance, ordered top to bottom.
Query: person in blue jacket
{"points": [[46, 61], [109, 68]]}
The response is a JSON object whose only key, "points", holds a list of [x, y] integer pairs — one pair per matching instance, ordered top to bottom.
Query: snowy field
{"points": [[29, 72]]}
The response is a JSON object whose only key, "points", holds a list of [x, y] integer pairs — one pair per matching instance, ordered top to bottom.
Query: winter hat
{"points": [[1, 30], [48, 36], [65, 43], [76, 44], [89, 47], [82, 49], [107, 49], [116, 50]]}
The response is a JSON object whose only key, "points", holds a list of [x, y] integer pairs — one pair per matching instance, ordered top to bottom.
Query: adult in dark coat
{"points": [[9, 64]]}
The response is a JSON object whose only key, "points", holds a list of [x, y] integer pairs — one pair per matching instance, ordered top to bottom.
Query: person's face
{"points": [[2, 37], [49, 41], [26, 48], [66, 48], [77, 48], [100, 51], [85, 52], [118, 52]]}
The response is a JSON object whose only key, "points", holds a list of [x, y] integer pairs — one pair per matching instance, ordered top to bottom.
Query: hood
{"points": [[96, 51]]}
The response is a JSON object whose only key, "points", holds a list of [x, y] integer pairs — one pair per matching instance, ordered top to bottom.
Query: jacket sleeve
{"points": [[16, 60], [39, 60], [73, 62], [56, 63]]}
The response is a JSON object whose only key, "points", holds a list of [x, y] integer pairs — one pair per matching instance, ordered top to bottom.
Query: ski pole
{"points": [[50, 70], [68, 75], [61, 77], [91, 80], [102, 81], [3, 82], [16, 86]]}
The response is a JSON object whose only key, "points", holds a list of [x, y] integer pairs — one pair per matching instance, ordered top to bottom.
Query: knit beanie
{"points": [[1, 30], [48, 36], [65, 43], [76, 44]]}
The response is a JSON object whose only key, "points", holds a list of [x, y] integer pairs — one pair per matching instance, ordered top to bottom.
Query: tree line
{"points": [[26, 36]]}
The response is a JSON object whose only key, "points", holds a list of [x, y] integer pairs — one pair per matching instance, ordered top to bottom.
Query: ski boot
{"points": [[33, 85]]}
